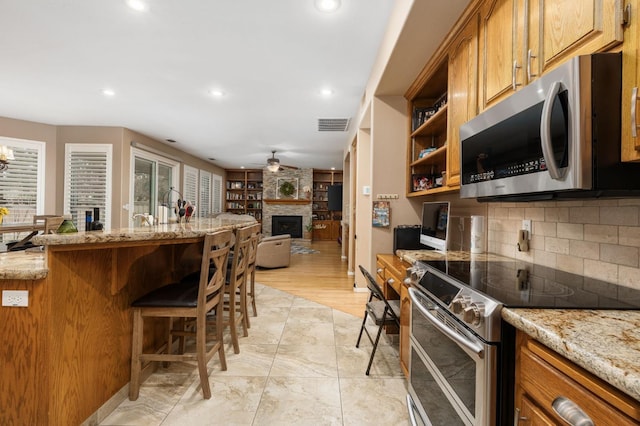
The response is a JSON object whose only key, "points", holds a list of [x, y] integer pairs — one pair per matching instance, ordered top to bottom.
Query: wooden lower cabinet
{"points": [[326, 230], [390, 273], [543, 378]]}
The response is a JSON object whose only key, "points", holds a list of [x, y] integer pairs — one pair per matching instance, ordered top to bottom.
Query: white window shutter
{"points": [[87, 181], [22, 183], [190, 185], [204, 200], [216, 202]]}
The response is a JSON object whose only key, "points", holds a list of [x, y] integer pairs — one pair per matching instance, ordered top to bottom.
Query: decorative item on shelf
{"points": [[441, 102], [426, 151], [6, 154], [421, 182], [307, 191], [3, 212]]}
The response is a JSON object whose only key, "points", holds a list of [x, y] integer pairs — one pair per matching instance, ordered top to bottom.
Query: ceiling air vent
{"points": [[333, 124]]}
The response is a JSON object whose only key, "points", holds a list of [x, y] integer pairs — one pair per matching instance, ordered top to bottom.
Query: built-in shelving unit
{"points": [[427, 156], [244, 192], [326, 223]]}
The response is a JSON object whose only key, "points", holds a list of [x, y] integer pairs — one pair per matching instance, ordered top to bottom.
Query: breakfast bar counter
{"points": [[68, 353]]}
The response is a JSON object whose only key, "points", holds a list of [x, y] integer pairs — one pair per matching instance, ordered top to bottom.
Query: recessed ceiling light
{"points": [[137, 5], [327, 5], [108, 92], [326, 92], [216, 93], [242, 167], [333, 168]]}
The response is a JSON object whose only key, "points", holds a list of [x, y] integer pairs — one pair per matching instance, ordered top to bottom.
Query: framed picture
{"points": [[287, 188], [381, 214]]}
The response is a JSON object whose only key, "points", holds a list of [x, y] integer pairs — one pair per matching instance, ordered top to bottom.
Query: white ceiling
{"points": [[270, 58]]}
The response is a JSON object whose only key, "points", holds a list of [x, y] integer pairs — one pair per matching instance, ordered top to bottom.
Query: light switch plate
{"points": [[15, 298]]}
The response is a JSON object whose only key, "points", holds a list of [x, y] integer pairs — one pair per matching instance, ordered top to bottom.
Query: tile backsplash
{"points": [[596, 238]]}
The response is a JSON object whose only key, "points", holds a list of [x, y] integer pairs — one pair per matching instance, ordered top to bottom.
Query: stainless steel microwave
{"points": [[558, 137]]}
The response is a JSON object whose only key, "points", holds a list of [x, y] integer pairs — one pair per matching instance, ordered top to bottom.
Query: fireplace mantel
{"points": [[285, 201]]}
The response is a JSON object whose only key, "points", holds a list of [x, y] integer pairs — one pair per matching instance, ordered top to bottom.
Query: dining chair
{"points": [[185, 301], [383, 312]]}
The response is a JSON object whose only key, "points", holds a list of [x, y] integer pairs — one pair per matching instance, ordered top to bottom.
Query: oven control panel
{"points": [[477, 310]]}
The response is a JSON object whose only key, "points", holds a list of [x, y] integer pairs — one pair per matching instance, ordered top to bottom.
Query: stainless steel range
{"points": [[461, 363]]}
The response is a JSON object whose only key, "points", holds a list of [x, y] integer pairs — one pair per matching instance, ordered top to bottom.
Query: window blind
{"points": [[87, 181], [22, 183], [190, 185], [204, 200], [216, 202]]}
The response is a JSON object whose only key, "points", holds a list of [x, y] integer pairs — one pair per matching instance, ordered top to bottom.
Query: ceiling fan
{"points": [[273, 163]]}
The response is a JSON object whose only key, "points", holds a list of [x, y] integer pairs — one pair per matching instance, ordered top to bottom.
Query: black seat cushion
{"points": [[184, 294], [376, 311]]}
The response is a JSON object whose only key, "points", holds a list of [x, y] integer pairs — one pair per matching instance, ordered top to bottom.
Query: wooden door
{"points": [[498, 32], [462, 92]]}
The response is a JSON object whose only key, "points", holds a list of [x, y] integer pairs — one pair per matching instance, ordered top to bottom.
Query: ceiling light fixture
{"points": [[137, 5], [327, 5], [108, 92], [326, 92], [216, 93], [273, 163]]}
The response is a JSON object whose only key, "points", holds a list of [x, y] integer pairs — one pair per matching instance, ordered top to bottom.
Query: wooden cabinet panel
{"points": [[498, 27], [522, 39], [630, 86], [463, 87], [405, 315], [542, 376]]}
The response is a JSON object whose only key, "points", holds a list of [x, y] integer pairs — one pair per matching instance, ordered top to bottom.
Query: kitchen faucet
{"points": [[144, 217]]}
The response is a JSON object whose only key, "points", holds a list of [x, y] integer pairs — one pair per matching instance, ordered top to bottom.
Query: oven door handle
{"points": [[472, 346], [413, 408]]}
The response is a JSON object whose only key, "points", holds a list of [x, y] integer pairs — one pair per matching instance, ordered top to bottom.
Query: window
{"points": [[87, 182], [154, 183], [22, 184], [190, 186], [204, 200], [216, 202]]}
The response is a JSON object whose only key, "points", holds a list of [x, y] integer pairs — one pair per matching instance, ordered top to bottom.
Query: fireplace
{"points": [[287, 225]]}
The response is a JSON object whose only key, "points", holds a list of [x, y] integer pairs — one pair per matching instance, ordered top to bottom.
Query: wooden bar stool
{"points": [[251, 269], [236, 289], [186, 301]]}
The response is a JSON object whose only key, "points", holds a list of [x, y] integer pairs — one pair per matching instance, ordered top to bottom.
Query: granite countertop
{"points": [[195, 229], [411, 256], [22, 265], [31, 265], [606, 343]]}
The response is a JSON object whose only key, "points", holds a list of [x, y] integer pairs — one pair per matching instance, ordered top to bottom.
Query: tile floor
{"points": [[299, 366]]}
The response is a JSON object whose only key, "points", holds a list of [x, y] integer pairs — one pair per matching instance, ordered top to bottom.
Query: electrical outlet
{"points": [[526, 226], [19, 298]]}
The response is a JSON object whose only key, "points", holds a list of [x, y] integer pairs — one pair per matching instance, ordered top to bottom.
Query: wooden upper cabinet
{"points": [[498, 29], [522, 39], [631, 87], [462, 92]]}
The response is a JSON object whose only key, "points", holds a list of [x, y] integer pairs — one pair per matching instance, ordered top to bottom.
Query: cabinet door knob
{"points": [[571, 412]]}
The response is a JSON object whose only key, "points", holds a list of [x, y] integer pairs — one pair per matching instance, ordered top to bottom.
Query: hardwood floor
{"points": [[321, 277]]}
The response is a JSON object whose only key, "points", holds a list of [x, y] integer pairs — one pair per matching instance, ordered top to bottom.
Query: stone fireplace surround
{"points": [[285, 206]]}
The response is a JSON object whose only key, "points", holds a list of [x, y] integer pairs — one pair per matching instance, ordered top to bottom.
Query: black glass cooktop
{"points": [[519, 284]]}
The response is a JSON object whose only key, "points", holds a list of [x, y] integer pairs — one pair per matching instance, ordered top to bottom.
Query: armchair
{"points": [[274, 252]]}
